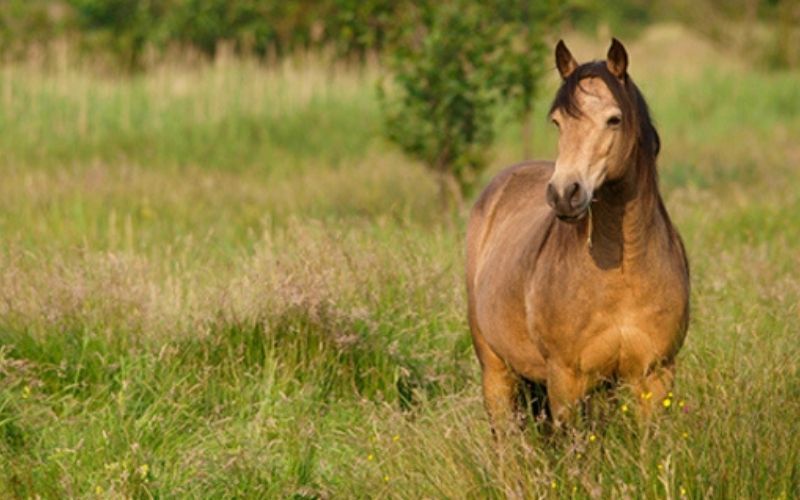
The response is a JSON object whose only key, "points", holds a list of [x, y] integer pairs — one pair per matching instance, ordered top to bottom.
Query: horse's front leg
{"points": [[500, 387], [565, 390]]}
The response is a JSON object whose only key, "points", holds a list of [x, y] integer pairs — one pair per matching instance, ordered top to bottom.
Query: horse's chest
{"points": [[603, 322]]}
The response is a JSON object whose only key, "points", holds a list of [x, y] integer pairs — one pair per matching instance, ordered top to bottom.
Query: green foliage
{"points": [[623, 17], [24, 23], [123, 26], [253, 26], [357, 26], [127, 30], [762, 30], [523, 57], [452, 69], [443, 114]]}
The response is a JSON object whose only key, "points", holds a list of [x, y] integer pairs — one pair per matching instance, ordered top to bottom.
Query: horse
{"points": [[576, 276]]}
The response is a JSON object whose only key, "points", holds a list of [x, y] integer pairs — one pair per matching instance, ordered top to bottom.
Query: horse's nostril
{"points": [[552, 195], [576, 196]]}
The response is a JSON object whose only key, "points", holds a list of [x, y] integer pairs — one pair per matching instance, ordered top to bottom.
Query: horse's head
{"points": [[600, 116]]}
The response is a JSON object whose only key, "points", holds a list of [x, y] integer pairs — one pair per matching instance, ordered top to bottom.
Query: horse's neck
{"points": [[626, 221]]}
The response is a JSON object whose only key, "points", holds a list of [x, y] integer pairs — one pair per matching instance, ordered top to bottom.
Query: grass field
{"points": [[219, 281]]}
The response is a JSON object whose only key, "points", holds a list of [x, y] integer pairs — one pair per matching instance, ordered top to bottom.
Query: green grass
{"points": [[232, 116], [220, 282]]}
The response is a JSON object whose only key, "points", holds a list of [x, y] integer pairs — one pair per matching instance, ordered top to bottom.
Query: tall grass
{"points": [[233, 115], [218, 282]]}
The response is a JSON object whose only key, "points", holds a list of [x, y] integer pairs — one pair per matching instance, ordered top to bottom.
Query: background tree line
{"points": [[126, 28]]}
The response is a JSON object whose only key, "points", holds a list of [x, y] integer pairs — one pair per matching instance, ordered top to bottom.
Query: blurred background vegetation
{"points": [[137, 32]]}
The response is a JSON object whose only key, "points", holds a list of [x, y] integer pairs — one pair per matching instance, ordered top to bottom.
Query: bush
{"points": [[452, 68]]}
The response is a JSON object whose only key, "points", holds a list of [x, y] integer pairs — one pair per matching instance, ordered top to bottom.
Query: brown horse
{"points": [[575, 273]]}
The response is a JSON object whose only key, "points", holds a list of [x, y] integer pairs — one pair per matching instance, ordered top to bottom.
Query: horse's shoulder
{"points": [[514, 192]]}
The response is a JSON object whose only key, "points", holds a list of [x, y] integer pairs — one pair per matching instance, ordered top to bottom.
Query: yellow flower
{"points": [[26, 392], [647, 395], [669, 395], [667, 403], [681, 403], [624, 408], [685, 435], [396, 438], [592, 438], [370, 457], [660, 467], [143, 470], [386, 479], [553, 484], [574, 489], [98, 490], [683, 491]]}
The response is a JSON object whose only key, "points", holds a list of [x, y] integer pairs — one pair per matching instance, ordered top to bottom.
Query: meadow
{"points": [[217, 280]]}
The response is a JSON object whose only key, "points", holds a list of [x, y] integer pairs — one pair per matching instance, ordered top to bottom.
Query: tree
{"points": [[126, 27], [523, 54], [454, 65]]}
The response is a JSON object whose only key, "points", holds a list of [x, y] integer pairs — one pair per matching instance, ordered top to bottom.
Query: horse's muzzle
{"points": [[570, 204]]}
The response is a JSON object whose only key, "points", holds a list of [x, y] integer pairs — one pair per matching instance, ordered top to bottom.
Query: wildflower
{"points": [[26, 392], [669, 394], [647, 395], [667, 403], [681, 403], [624, 408], [685, 435], [396, 438], [592, 438], [370, 457], [660, 467], [143, 470], [386, 479], [554, 484], [574, 489], [98, 490], [683, 491]]}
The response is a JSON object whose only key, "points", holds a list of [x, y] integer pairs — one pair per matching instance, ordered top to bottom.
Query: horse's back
{"points": [[508, 223]]}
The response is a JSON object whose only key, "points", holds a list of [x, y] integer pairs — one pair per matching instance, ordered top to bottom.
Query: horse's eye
{"points": [[614, 121], [555, 123]]}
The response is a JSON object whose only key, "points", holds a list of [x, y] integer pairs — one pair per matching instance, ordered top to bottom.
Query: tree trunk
{"points": [[787, 53], [527, 134], [450, 197]]}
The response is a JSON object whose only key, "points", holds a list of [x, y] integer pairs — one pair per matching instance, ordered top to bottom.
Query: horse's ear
{"points": [[617, 59], [565, 63]]}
